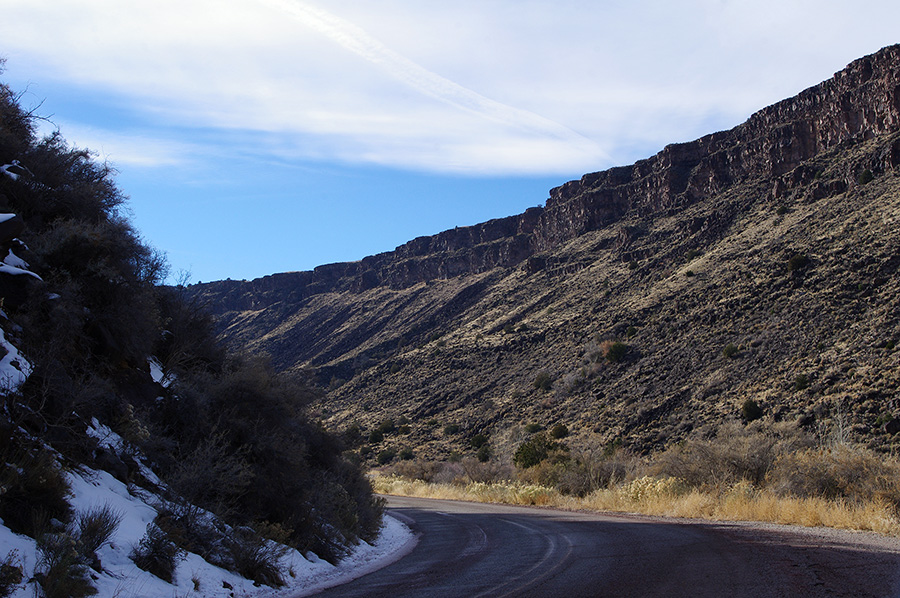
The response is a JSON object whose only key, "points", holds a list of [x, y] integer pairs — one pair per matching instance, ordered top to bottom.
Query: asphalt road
{"points": [[482, 550]]}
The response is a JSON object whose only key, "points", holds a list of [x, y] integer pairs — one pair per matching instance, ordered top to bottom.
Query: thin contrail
{"points": [[356, 40]]}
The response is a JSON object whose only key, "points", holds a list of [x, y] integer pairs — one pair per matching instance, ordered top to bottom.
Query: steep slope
{"points": [[777, 239]]}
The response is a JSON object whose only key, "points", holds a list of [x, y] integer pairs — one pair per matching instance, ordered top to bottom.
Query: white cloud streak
{"points": [[361, 43], [501, 87]]}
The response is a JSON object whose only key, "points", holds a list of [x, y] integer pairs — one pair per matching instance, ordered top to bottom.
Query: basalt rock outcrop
{"points": [[858, 103], [779, 236]]}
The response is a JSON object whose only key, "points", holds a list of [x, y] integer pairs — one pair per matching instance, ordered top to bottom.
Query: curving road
{"points": [[482, 550]]}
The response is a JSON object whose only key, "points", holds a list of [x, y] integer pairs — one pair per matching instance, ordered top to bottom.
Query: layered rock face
{"points": [[858, 103], [779, 239]]}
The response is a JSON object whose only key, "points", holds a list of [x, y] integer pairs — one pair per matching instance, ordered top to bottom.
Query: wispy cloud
{"points": [[361, 43], [497, 87]]}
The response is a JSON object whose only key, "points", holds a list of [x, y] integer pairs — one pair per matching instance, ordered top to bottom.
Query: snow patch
{"points": [[14, 170], [15, 261], [6, 268], [14, 369], [157, 373], [194, 576]]}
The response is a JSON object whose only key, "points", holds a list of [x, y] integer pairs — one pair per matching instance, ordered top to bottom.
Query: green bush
{"points": [[865, 177], [797, 262], [614, 351], [730, 351], [543, 381], [801, 382], [751, 411], [386, 427], [532, 428], [450, 429], [559, 431], [478, 441], [535, 450], [386, 456]]}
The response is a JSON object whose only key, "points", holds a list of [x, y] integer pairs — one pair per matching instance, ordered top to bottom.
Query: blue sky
{"points": [[262, 136]]}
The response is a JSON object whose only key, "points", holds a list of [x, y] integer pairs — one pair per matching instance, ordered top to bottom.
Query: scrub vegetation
{"points": [[93, 339], [740, 472]]}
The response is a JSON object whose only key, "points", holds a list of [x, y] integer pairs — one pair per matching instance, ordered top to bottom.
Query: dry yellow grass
{"points": [[666, 497]]}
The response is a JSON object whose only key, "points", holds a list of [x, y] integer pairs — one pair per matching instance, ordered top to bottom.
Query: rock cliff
{"points": [[858, 103], [778, 238]]}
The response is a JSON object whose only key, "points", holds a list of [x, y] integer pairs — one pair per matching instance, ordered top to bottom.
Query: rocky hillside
{"points": [[642, 304]]}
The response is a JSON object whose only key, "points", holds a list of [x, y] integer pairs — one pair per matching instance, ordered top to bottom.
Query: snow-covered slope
{"points": [[194, 577]]}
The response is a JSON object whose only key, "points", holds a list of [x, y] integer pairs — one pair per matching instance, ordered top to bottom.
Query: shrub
{"points": [[865, 177], [798, 261], [730, 350], [614, 351], [542, 381], [801, 382], [751, 410], [386, 427], [532, 428], [451, 429], [559, 431], [376, 436], [478, 441], [536, 449], [737, 453], [406, 454], [483, 454], [386, 456], [417, 469], [478, 471], [589, 471], [840, 472], [212, 474], [650, 487], [34, 488], [94, 528], [190, 528], [157, 554], [255, 558], [61, 571], [10, 573]]}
